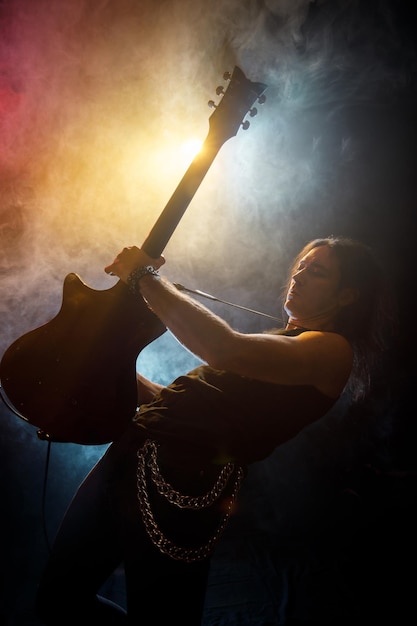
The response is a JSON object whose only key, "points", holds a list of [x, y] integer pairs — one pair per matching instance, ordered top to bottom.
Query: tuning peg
{"points": [[227, 76], [219, 90], [262, 99], [212, 104], [253, 111], [245, 125]]}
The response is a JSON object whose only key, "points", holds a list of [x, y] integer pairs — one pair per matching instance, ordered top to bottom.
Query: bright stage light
{"points": [[191, 147]]}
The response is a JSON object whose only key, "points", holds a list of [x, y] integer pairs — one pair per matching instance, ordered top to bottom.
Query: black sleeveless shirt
{"points": [[213, 416]]}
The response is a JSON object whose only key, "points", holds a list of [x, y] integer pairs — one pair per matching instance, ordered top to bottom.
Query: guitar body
{"points": [[75, 376]]}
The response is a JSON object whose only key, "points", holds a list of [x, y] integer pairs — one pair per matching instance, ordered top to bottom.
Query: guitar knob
{"points": [[245, 125], [43, 436]]}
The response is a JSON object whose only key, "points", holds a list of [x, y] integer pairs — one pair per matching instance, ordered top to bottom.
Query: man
{"points": [[161, 496]]}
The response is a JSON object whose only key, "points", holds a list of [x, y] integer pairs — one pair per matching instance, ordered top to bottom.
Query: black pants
{"points": [[103, 528]]}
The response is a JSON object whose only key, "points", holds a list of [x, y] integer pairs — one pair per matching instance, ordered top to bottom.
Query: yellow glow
{"points": [[191, 147]]}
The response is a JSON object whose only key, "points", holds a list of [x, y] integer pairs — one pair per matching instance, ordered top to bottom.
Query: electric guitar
{"points": [[75, 377]]}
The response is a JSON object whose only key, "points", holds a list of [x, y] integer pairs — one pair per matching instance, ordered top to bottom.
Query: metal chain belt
{"points": [[147, 457]]}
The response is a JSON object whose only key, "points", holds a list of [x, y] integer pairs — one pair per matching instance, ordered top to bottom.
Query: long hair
{"points": [[368, 323]]}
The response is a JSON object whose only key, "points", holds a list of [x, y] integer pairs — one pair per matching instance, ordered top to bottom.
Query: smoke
{"points": [[98, 97]]}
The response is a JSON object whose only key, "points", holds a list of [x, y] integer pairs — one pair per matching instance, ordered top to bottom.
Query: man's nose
{"points": [[298, 277]]}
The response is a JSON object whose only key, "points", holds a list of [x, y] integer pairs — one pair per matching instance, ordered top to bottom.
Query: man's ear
{"points": [[347, 296]]}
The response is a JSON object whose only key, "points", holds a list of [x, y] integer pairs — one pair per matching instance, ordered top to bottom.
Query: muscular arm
{"points": [[316, 358], [321, 359]]}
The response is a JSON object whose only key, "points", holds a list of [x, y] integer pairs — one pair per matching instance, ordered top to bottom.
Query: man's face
{"points": [[314, 295]]}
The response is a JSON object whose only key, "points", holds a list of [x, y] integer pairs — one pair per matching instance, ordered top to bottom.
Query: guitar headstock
{"points": [[236, 102]]}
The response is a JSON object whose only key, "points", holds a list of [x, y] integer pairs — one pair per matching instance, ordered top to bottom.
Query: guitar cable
{"points": [[45, 478], [45, 482]]}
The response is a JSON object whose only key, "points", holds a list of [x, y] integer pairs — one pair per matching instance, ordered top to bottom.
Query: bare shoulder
{"points": [[325, 339], [329, 357]]}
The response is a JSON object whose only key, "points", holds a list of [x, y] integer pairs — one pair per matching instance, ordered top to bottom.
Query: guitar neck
{"points": [[224, 123], [167, 222]]}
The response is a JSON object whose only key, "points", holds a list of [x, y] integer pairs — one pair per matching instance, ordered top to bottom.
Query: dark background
{"points": [[324, 533]]}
